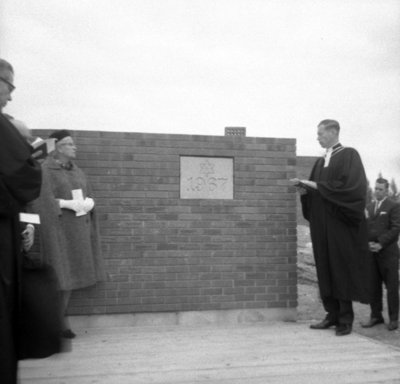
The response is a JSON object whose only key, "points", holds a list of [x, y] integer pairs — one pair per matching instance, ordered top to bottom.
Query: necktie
{"points": [[377, 204]]}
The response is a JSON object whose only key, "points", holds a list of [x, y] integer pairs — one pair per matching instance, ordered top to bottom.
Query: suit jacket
{"points": [[384, 226]]}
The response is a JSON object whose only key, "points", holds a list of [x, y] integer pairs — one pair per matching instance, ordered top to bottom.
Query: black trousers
{"points": [[385, 269], [8, 303], [340, 311]]}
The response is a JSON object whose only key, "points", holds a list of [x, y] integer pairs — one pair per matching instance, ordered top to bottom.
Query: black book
{"points": [[41, 148], [305, 186]]}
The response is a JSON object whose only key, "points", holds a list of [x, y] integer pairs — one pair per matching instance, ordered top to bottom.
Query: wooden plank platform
{"points": [[261, 353]]}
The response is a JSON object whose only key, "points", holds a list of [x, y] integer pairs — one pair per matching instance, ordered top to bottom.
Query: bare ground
{"points": [[310, 307]]}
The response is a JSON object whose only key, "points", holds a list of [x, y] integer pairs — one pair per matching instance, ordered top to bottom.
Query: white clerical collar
{"points": [[330, 152]]}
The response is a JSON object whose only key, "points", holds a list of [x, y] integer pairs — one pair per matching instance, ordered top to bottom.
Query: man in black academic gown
{"points": [[20, 180], [333, 201]]}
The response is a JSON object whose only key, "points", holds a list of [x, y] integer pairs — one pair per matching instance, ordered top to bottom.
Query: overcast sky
{"points": [[197, 66]]}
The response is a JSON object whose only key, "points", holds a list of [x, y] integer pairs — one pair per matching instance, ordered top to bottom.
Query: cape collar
{"points": [[57, 164], [68, 165]]}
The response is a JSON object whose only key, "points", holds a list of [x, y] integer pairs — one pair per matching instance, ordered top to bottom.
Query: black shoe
{"points": [[372, 322], [324, 324], [393, 324], [343, 329], [67, 334]]}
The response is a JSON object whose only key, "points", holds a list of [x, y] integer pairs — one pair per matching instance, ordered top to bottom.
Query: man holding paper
{"points": [[333, 202], [69, 233]]}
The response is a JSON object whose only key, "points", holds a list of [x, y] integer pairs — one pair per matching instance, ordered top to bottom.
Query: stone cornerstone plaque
{"points": [[206, 177]]}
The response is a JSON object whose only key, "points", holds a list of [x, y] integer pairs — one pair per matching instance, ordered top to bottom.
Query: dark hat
{"points": [[59, 135]]}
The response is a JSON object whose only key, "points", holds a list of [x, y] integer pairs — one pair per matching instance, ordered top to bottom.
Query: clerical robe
{"points": [[20, 181], [336, 213]]}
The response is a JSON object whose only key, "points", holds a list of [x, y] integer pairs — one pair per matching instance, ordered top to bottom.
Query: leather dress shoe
{"points": [[372, 322], [324, 324], [393, 324], [343, 329]]}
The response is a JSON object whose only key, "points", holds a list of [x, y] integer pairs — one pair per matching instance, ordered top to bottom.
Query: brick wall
{"points": [[164, 253]]}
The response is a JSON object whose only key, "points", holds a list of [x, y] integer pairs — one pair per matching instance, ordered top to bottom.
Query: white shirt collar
{"points": [[379, 202]]}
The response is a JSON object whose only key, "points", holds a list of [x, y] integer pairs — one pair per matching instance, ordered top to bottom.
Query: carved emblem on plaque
{"points": [[206, 177]]}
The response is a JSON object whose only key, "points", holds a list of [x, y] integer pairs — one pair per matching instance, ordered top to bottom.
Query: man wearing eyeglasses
{"points": [[6, 83], [20, 181]]}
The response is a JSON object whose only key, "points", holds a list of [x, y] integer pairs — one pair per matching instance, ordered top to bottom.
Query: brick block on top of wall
{"points": [[164, 253]]}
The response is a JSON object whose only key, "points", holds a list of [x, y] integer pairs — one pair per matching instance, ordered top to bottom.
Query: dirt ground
{"points": [[309, 305]]}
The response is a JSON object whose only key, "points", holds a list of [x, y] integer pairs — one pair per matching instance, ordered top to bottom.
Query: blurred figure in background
{"points": [[383, 234]]}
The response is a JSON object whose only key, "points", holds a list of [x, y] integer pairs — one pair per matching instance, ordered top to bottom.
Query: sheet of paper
{"points": [[37, 142], [51, 145], [77, 194], [31, 218]]}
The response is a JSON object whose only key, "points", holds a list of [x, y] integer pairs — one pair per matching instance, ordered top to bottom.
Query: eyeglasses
{"points": [[11, 86], [67, 144]]}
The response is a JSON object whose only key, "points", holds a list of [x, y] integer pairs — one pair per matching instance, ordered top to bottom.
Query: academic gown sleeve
{"points": [[20, 174], [346, 186], [307, 197]]}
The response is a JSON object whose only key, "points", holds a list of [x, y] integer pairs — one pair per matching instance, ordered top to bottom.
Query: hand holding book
{"points": [[41, 148], [305, 185]]}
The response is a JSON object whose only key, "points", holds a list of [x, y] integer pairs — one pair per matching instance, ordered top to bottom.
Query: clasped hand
{"points": [[298, 184], [79, 206], [28, 236], [374, 247]]}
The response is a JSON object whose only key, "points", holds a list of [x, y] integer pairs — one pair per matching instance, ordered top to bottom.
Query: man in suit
{"points": [[384, 229]]}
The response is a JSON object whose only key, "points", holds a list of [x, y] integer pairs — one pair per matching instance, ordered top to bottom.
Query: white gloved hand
{"points": [[88, 204], [73, 205]]}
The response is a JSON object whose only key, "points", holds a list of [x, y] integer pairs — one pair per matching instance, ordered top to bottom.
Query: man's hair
{"points": [[5, 66], [330, 124], [381, 180]]}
